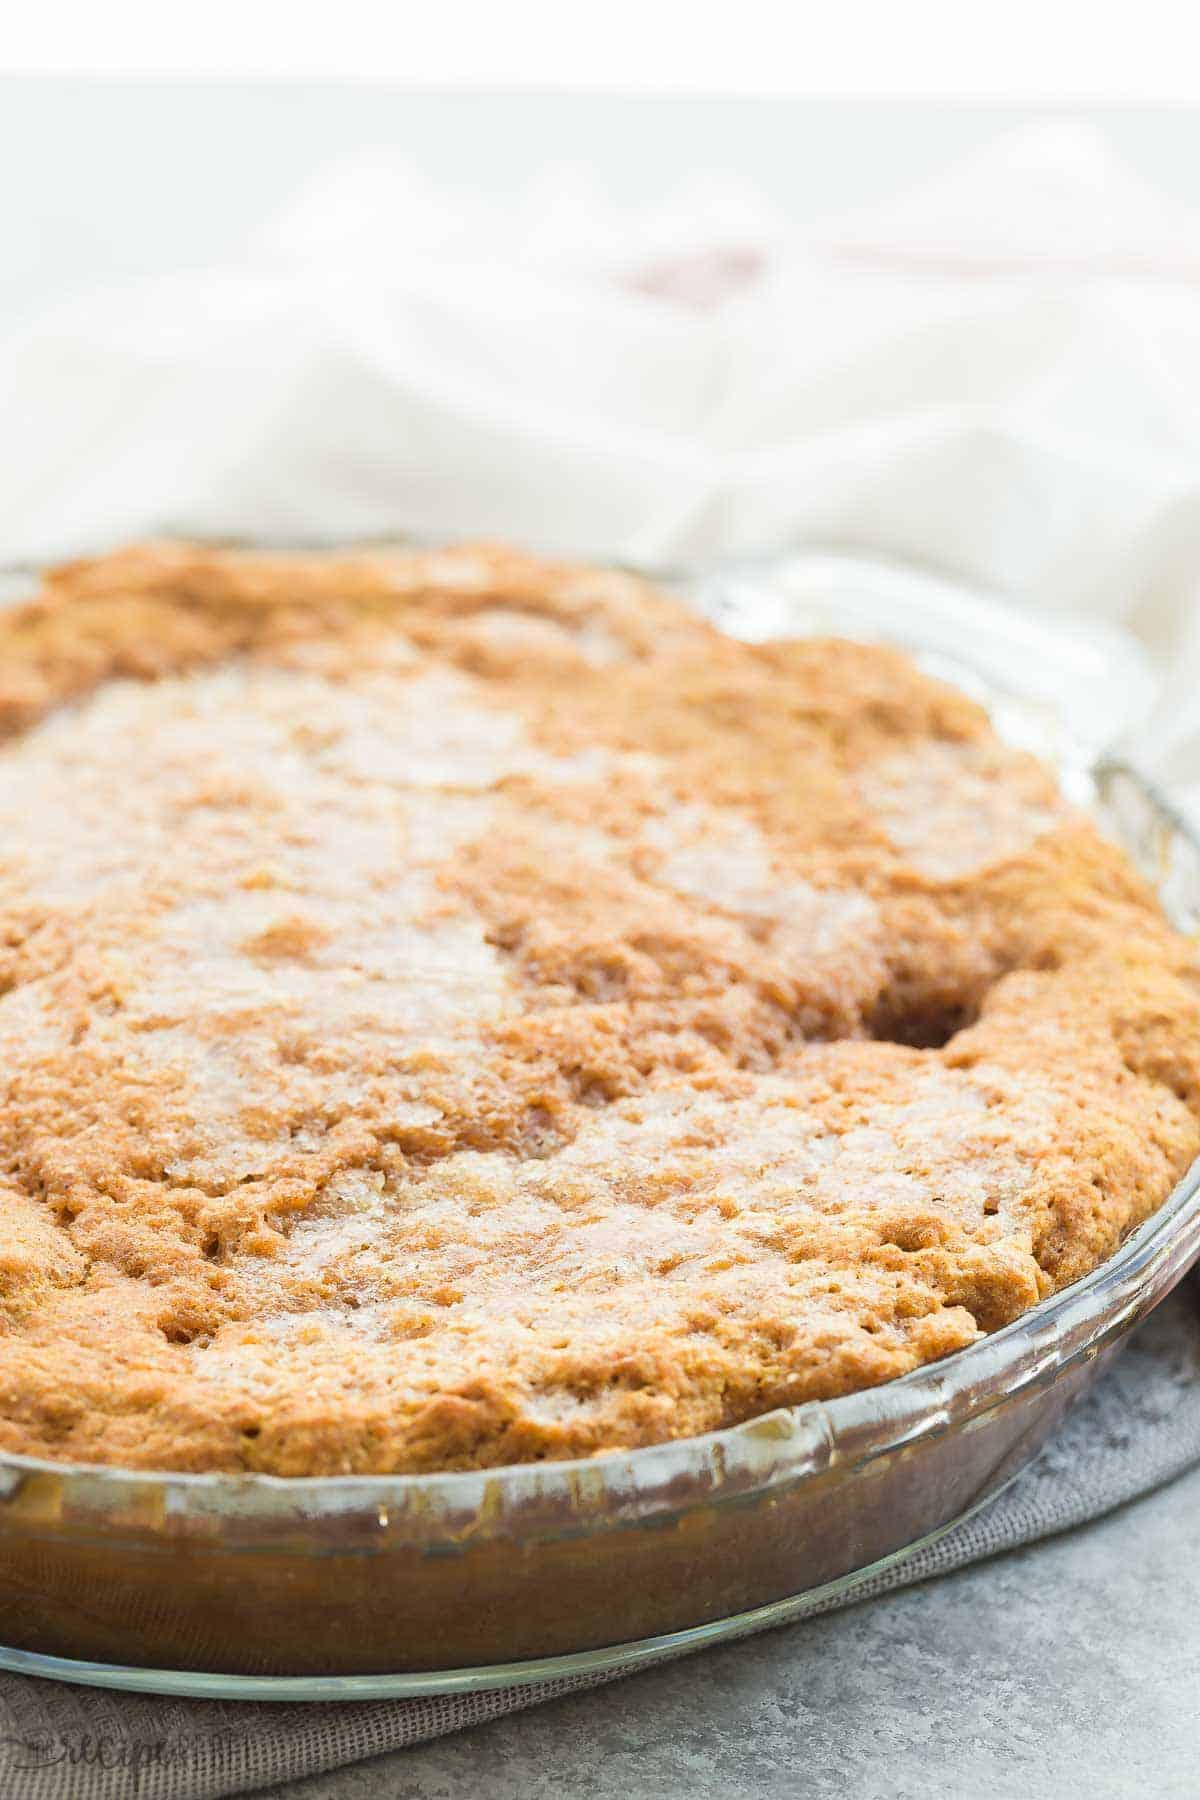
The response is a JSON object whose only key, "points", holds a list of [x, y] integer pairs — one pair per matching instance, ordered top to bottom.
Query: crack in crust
{"points": [[456, 1009]]}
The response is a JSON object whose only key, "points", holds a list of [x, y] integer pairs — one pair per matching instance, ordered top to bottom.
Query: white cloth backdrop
{"points": [[996, 378]]}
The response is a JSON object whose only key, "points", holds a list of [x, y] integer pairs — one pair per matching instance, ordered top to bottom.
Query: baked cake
{"points": [[459, 1010]]}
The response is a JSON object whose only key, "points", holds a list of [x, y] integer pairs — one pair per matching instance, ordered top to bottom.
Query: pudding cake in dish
{"points": [[458, 1010]]}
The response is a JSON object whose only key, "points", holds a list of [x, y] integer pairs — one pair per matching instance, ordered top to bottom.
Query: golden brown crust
{"points": [[458, 1010]]}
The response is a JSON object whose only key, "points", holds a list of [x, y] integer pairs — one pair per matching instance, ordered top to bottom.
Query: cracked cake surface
{"points": [[459, 1010]]}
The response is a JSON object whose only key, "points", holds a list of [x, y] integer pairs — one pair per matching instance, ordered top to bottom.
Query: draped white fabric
{"points": [[996, 379]]}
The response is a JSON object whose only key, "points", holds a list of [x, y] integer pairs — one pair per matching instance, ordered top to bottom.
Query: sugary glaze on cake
{"points": [[458, 1010]]}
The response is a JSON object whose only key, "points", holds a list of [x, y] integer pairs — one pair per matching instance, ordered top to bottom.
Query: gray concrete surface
{"points": [[1069, 1669]]}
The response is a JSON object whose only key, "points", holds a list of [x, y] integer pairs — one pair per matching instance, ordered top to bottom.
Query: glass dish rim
{"points": [[1095, 1299], [783, 1445], [779, 1447], [629, 1656]]}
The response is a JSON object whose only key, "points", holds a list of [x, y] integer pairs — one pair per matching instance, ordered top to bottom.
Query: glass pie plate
{"points": [[260, 1588]]}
